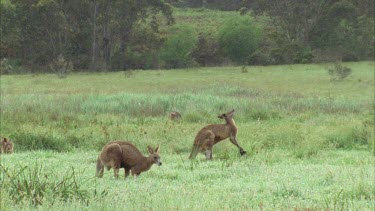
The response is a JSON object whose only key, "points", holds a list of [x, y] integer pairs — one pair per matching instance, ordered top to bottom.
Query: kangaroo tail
{"points": [[194, 152], [99, 167]]}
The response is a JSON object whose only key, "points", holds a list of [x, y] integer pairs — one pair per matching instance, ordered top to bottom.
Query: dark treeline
{"points": [[101, 35]]}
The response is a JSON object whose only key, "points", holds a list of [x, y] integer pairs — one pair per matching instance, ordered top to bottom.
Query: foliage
{"points": [[334, 27], [340, 30], [88, 33], [117, 35], [238, 38], [178, 47]]}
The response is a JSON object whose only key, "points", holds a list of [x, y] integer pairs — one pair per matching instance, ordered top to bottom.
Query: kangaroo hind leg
{"points": [[208, 145]]}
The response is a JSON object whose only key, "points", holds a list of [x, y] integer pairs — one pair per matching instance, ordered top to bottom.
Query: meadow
{"points": [[310, 139]]}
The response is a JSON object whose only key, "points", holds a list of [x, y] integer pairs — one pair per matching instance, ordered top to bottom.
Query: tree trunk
{"points": [[123, 47], [106, 48], [94, 57]]}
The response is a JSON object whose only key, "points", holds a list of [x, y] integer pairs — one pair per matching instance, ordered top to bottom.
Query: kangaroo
{"points": [[174, 116], [212, 134], [7, 146], [122, 154]]}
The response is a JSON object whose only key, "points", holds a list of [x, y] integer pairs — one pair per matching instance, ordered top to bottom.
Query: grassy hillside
{"points": [[309, 139]]}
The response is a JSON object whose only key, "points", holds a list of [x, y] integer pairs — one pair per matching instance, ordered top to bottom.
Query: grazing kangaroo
{"points": [[174, 116], [210, 135], [7, 146], [122, 154]]}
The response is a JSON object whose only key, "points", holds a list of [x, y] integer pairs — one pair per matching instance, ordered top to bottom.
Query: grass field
{"points": [[310, 140]]}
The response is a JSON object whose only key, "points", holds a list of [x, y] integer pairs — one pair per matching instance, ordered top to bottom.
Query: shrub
{"points": [[239, 38], [177, 49], [207, 52], [61, 67], [339, 72]]}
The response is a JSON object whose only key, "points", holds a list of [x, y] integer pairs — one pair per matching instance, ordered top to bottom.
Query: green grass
{"points": [[310, 140], [272, 180]]}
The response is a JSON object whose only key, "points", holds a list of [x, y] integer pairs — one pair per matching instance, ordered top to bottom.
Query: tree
{"points": [[296, 18], [118, 19], [335, 25], [347, 29], [91, 33], [239, 38], [179, 45]]}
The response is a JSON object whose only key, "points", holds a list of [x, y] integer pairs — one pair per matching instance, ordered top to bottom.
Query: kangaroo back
{"points": [[110, 157]]}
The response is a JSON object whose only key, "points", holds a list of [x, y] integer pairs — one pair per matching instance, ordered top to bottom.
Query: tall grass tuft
{"points": [[34, 185]]}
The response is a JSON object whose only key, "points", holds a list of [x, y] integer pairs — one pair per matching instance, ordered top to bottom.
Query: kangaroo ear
{"points": [[231, 113], [222, 116], [157, 149], [150, 150]]}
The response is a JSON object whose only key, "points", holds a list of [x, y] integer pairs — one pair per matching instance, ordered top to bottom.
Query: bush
{"points": [[239, 38], [207, 51], [176, 52], [61, 67], [339, 72]]}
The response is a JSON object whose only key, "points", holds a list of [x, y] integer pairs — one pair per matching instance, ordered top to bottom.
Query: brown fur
{"points": [[174, 116], [212, 134], [7, 146], [123, 154]]}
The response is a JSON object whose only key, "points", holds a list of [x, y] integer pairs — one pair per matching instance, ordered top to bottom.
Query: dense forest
{"points": [[112, 35]]}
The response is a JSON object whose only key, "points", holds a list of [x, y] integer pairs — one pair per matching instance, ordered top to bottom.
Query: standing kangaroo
{"points": [[212, 134], [7, 146], [122, 154]]}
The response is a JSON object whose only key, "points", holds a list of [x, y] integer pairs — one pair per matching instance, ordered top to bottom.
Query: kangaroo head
{"points": [[228, 115], [154, 155]]}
